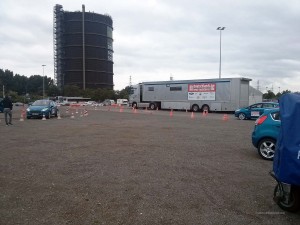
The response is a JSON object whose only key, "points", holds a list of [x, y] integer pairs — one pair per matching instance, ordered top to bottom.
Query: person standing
{"points": [[7, 109]]}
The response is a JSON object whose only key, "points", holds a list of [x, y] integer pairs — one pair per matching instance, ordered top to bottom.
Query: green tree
{"points": [[6, 78], [19, 84], [35, 85], [53, 91], [72, 91], [285, 92], [89, 93], [124, 93], [269, 95]]}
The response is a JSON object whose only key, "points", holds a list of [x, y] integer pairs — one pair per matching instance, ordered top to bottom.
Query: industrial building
{"points": [[83, 49]]}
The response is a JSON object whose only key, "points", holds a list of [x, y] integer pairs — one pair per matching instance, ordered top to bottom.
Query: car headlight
{"points": [[44, 109], [28, 110]]}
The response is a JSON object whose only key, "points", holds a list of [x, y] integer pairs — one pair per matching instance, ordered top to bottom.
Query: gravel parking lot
{"points": [[119, 166]]}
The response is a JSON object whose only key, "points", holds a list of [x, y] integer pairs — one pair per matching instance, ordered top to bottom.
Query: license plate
{"points": [[35, 114]]}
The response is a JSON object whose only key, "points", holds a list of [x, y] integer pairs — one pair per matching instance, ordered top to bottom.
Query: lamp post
{"points": [[220, 29], [43, 82]]}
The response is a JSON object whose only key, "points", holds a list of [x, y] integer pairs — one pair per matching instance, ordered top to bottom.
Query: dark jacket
{"points": [[6, 103]]}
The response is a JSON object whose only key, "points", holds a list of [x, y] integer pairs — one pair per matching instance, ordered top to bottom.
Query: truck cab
{"points": [[134, 96]]}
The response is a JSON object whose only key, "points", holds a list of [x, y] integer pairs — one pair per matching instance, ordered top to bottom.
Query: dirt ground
{"points": [[134, 167]]}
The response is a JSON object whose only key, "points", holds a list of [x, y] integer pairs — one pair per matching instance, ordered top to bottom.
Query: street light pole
{"points": [[220, 29], [43, 82]]}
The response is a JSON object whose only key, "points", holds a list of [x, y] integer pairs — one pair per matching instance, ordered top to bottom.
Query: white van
{"points": [[122, 102]]}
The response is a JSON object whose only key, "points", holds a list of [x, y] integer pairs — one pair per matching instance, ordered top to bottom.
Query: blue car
{"points": [[42, 108], [254, 111], [265, 133]]}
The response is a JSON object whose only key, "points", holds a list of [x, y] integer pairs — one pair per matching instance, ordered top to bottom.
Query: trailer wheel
{"points": [[134, 105], [152, 106], [195, 108], [205, 108], [294, 204]]}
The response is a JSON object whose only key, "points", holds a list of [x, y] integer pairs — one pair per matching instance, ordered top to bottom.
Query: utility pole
{"points": [[220, 29], [83, 48], [43, 82]]}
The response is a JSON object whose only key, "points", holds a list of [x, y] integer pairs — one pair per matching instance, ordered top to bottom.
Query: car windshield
{"points": [[41, 103]]}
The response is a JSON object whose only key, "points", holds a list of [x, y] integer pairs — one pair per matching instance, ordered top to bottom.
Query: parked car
{"points": [[42, 107], [254, 111], [265, 133]]}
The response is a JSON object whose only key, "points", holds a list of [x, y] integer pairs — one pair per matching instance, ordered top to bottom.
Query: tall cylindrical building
{"points": [[83, 49]]}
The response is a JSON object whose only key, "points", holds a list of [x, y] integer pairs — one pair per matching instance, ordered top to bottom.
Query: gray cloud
{"points": [[156, 39]]}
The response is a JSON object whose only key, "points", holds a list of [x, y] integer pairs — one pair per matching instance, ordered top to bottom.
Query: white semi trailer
{"points": [[225, 94]]}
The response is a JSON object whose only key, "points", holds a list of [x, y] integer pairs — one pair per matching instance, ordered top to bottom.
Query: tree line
{"points": [[26, 89], [272, 96]]}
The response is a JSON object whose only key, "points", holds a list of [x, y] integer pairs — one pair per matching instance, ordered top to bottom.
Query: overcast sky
{"points": [[157, 39]]}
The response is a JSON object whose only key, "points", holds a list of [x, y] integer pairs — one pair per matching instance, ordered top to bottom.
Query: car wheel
{"points": [[242, 116], [266, 148], [293, 205]]}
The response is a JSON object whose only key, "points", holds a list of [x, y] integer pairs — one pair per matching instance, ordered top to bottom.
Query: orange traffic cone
{"points": [[171, 113], [22, 114], [192, 115], [58, 116], [44, 117], [72, 117], [225, 117], [22, 118]]}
